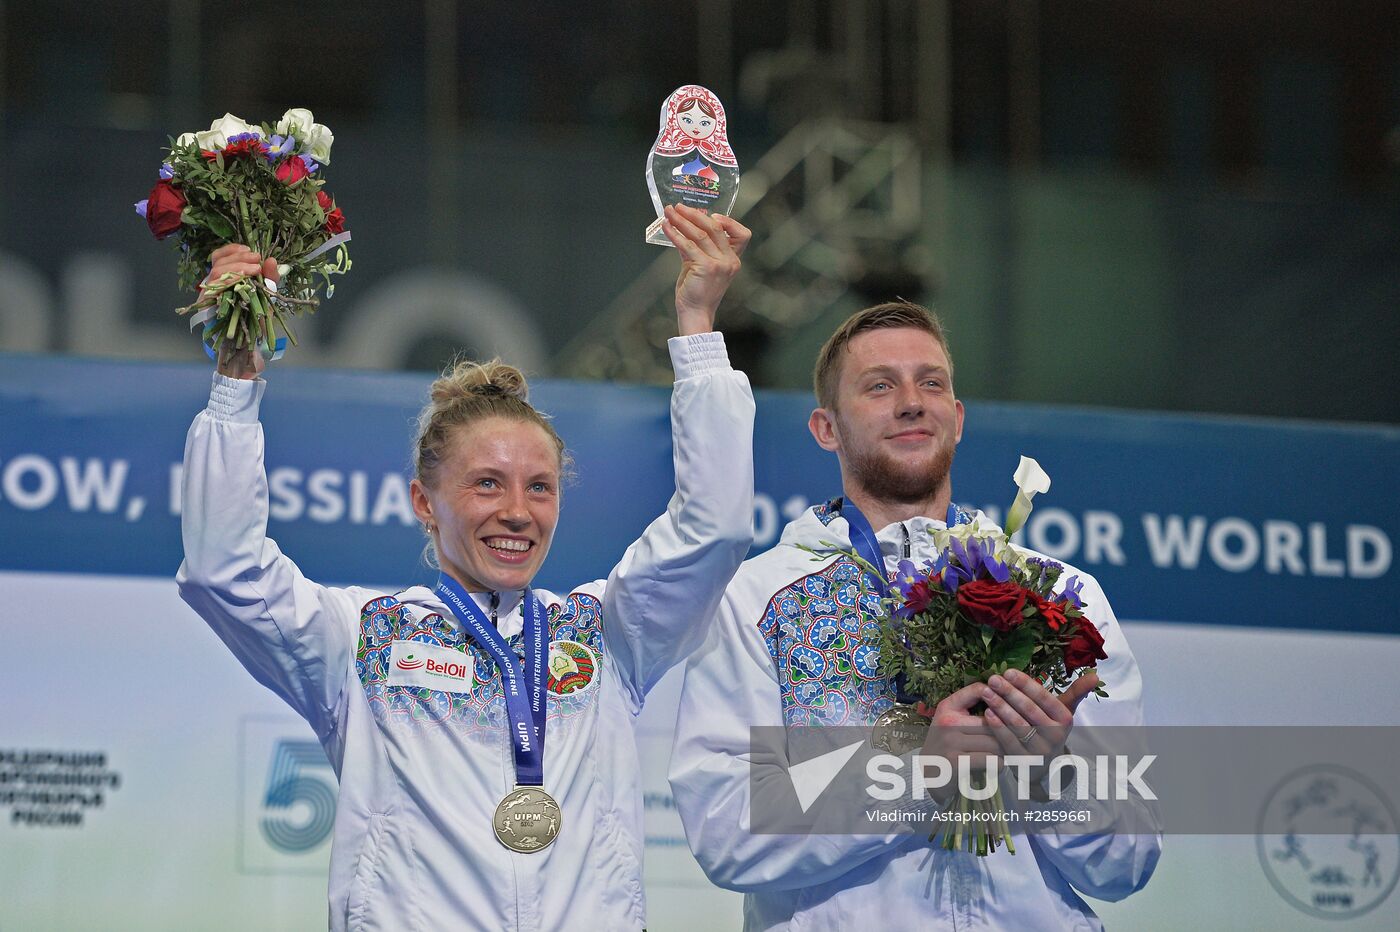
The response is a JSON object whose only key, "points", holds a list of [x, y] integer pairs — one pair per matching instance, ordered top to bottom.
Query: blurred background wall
{"points": [[1187, 206]]}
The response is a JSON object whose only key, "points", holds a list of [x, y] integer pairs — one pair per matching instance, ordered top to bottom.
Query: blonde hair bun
{"points": [[467, 379], [468, 392]]}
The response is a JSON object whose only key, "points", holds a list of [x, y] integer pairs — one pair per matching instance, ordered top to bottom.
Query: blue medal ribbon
{"points": [[867, 546], [524, 689]]}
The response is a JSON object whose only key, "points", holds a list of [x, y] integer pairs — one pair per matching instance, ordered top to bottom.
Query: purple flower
{"points": [[280, 146], [310, 163], [167, 171], [141, 207], [973, 560], [1046, 567], [934, 569], [905, 576], [906, 579], [1070, 594]]}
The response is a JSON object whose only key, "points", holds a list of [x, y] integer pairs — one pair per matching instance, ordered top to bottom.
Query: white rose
{"points": [[294, 121], [230, 125], [184, 139], [211, 139], [317, 143], [943, 537]]}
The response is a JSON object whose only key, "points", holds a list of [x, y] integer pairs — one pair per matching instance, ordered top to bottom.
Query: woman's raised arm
{"points": [[296, 637]]}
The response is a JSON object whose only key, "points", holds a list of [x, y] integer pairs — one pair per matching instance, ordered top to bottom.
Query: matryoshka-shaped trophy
{"points": [[691, 162]]}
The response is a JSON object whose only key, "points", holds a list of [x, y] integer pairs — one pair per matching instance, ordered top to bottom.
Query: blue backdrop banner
{"points": [[1191, 519]]}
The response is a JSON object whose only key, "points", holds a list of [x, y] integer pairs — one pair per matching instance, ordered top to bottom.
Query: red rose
{"points": [[292, 171], [163, 207], [335, 220], [918, 598], [994, 604], [1052, 612], [1086, 648]]}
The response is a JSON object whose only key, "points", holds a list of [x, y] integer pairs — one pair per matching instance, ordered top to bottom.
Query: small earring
{"points": [[429, 526]]}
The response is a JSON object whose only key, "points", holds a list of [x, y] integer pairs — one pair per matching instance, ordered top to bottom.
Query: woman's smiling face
{"points": [[494, 504]]}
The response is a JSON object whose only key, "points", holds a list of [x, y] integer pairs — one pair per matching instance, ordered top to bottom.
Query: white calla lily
{"points": [[1030, 477], [1030, 480]]}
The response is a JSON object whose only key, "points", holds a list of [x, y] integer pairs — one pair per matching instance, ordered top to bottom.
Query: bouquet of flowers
{"points": [[260, 185], [980, 608]]}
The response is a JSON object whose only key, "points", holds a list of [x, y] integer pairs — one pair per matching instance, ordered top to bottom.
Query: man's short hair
{"points": [[885, 316]]}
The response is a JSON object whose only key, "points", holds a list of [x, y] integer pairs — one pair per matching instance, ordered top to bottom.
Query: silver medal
{"points": [[898, 729], [527, 820]]}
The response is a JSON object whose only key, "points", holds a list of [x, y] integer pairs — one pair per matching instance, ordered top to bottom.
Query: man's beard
{"points": [[888, 479]]}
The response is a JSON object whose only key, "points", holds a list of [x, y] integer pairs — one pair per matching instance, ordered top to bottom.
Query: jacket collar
{"points": [[822, 530]]}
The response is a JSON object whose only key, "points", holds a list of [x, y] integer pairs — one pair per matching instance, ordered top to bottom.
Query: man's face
{"points": [[896, 422]]}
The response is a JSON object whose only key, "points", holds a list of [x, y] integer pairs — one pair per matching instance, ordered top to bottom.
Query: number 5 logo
{"points": [[298, 773]]}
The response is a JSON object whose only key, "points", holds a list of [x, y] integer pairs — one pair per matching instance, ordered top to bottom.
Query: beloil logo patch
{"points": [[414, 663]]}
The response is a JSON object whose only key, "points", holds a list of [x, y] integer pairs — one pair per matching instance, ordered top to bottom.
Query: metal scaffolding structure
{"points": [[835, 198]]}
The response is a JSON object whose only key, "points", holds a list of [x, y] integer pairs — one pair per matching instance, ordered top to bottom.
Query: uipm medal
{"points": [[691, 162], [899, 729], [527, 820]]}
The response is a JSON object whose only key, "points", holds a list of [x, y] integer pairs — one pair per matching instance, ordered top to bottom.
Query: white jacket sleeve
{"points": [[662, 595], [295, 637], [730, 686], [1112, 865]]}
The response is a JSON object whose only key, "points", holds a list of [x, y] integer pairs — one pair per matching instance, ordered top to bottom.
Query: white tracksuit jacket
{"points": [[786, 649], [421, 770]]}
